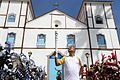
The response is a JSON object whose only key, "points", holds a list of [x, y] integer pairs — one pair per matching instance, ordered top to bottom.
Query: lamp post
{"points": [[29, 54], [87, 55], [28, 76]]}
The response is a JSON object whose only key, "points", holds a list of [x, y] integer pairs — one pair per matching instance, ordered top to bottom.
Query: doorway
{"points": [[55, 71]]}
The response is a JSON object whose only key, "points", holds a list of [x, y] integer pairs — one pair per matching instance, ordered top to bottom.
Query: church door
{"points": [[55, 72]]}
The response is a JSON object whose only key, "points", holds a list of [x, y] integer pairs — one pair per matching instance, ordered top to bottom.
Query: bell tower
{"points": [[14, 13], [98, 14], [102, 31]]}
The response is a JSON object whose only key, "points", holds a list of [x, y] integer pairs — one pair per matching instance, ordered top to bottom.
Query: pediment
{"points": [[50, 19]]}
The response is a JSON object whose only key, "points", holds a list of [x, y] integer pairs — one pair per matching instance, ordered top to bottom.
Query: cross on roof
{"points": [[56, 5]]}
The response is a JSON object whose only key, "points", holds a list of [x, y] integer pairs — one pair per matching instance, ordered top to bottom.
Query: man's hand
{"points": [[54, 53]]}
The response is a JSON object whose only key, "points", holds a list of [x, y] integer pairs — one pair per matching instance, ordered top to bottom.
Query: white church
{"points": [[93, 31]]}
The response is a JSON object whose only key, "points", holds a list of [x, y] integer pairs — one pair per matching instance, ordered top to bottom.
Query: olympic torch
{"points": [[56, 34]]}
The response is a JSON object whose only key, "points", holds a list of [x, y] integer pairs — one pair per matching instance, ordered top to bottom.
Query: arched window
{"points": [[11, 17], [99, 19], [11, 38], [41, 39], [70, 40], [101, 41]]}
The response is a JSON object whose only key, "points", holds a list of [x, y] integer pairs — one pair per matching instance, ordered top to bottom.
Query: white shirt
{"points": [[71, 68]]}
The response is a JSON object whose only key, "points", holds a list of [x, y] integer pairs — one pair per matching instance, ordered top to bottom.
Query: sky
{"points": [[71, 7]]}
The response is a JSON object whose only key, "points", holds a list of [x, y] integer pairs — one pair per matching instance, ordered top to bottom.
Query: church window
{"points": [[11, 17], [99, 19], [11, 38], [41, 39], [70, 40], [101, 41]]}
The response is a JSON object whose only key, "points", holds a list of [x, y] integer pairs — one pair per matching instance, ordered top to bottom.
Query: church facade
{"points": [[93, 31]]}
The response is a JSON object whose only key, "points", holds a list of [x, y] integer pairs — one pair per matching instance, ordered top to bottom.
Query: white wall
{"points": [[3, 7], [14, 7], [24, 8], [88, 8], [97, 9], [102, 9], [108, 11], [3, 12], [23, 14], [29, 14], [109, 16], [49, 20], [2, 21], [22, 21], [42, 22], [72, 23], [68, 25], [105, 32], [3, 36], [110, 37], [31, 38], [114, 38], [18, 39], [118, 54], [40, 56]]}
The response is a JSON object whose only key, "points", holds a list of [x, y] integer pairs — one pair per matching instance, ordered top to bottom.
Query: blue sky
{"points": [[71, 7], [116, 12]]}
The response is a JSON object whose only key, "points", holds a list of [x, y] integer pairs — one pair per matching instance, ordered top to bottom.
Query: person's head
{"points": [[71, 50]]}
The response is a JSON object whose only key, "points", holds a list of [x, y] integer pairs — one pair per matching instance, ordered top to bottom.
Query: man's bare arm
{"points": [[57, 63]]}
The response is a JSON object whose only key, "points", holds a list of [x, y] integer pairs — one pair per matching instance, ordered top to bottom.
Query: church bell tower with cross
{"points": [[102, 30]]}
